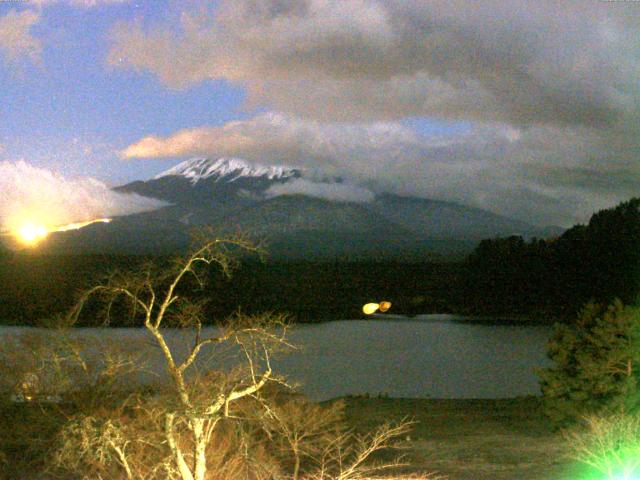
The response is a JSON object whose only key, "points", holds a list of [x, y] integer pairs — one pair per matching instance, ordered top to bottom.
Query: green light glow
{"points": [[609, 447]]}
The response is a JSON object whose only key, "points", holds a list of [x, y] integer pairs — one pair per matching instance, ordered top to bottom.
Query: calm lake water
{"points": [[429, 356]]}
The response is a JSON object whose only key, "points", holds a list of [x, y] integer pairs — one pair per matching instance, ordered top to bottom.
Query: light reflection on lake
{"points": [[429, 356]]}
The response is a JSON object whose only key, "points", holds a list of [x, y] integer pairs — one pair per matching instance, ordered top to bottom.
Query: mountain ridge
{"points": [[197, 169], [232, 194]]}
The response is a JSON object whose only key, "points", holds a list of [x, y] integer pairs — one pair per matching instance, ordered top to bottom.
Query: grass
{"points": [[458, 439], [473, 439]]}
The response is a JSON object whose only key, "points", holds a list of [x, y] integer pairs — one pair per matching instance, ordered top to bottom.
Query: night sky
{"points": [[528, 109]]}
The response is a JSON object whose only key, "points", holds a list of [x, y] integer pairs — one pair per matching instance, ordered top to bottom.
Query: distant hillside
{"points": [[232, 195]]}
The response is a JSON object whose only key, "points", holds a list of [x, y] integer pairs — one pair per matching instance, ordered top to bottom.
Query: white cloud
{"points": [[16, 27], [16, 38], [514, 62], [279, 139], [539, 174], [336, 192], [39, 195]]}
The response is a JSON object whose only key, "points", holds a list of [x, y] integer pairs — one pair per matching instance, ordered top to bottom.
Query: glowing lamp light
{"points": [[370, 308], [615, 462]]}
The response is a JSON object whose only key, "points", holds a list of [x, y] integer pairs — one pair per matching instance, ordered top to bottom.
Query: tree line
{"points": [[597, 262], [541, 279], [34, 286]]}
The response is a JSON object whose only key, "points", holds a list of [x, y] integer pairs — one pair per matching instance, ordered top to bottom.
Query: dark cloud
{"points": [[518, 62]]}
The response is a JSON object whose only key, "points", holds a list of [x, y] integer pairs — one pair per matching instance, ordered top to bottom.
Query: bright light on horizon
{"points": [[79, 225], [30, 233]]}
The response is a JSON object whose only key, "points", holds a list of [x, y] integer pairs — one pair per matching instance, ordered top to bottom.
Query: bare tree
{"points": [[155, 297], [47, 365], [48, 375], [212, 419], [301, 430], [316, 440], [348, 455]]}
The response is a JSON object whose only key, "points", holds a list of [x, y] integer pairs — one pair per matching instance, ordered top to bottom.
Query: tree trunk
{"points": [[199, 457], [296, 467], [183, 468]]}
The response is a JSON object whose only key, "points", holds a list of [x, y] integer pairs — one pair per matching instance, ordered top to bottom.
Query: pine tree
{"points": [[596, 364]]}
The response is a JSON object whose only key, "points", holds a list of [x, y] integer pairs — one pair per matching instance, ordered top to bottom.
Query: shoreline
{"points": [[461, 318]]}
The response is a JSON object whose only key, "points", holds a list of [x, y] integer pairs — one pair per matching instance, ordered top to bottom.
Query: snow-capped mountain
{"points": [[227, 169], [213, 183], [234, 195]]}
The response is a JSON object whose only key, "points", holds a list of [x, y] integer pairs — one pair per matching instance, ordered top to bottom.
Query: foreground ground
{"points": [[458, 439], [473, 439]]}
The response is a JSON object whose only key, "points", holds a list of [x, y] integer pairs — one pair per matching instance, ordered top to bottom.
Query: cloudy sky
{"points": [[528, 109]]}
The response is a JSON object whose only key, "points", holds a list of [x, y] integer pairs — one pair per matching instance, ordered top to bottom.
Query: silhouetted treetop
{"points": [[599, 261]]}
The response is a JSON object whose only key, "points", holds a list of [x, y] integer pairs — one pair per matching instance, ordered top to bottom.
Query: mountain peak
{"points": [[230, 169]]}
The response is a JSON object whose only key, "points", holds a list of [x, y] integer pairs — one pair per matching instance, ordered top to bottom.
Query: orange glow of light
{"points": [[78, 226], [31, 234], [384, 306], [371, 308]]}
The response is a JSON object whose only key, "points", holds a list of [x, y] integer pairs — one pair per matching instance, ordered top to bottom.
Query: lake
{"points": [[428, 356]]}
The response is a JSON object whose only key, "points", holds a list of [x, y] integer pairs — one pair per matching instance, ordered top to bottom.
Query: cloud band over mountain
{"points": [[538, 174], [333, 191]]}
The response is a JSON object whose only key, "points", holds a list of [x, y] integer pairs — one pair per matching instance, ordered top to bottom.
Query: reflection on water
{"points": [[431, 356]]}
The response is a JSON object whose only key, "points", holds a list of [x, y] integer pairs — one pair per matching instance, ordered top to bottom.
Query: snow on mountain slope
{"points": [[197, 169]]}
